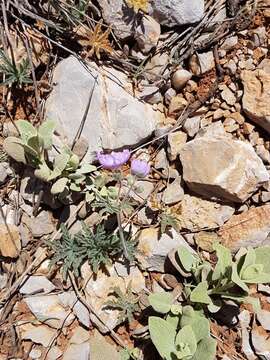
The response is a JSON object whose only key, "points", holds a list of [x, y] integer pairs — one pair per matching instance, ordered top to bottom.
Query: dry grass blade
{"points": [[96, 40]]}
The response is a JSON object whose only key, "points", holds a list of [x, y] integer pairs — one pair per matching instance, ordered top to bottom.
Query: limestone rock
{"points": [[177, 12], [117, 14], [147, 34], [202, 62], [180, 78], [256, 97], [112, 113], [192, 125], [176, 141], [222, 168], [173, 192], [197, 214], [39, 225], [250, 228], [10, 241], [153, 251], [37, 284], [98, 290], [48, 309], [38, 334], [101, 349], [77, 351]]}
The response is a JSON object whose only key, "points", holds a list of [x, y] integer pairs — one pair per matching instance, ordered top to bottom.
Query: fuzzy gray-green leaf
{"points": [[26, 129], [45, 132], [14, 148], [59, 186], [200, 295], [161, 302], [163, 336], [206, 349]]}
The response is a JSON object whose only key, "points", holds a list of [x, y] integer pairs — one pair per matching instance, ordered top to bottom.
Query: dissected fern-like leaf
{"points": [[96, 40]]}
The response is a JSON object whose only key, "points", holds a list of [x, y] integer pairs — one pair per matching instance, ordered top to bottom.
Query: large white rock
{"points": [[177, 12], [115, 118], [222, 168]]}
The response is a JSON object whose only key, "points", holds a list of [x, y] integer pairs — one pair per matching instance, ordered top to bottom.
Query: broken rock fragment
{"points": [[222, 168], [251, 228]]}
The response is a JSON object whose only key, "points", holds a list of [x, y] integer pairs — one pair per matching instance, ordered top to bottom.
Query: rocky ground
{"points": [[185, 86]]}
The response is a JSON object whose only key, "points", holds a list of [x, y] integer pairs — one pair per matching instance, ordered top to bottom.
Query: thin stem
{"points": [[120, 227]]}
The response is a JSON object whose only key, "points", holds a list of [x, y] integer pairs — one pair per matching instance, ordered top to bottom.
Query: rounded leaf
{"points": [[14, 148], [59, 186], [161, 302]]}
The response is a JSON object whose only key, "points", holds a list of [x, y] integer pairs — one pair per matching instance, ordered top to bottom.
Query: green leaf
{"points": [[26, 130], [45, 132], [33, 143], [14, 148], [73, 162], [60, 163], [86, 169], [43, 172], [59, 186], [75, 187], [186, 257], [262, 257], [249, 259], [224, 261], [254, 275], [236, 279], [200, 295], [161, 302], [188, 316], [173, 320], [201, 328], [163, 336], [185, 340], [206, 349]]}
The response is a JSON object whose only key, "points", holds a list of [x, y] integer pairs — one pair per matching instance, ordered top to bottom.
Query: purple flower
{"points": [[113, 160], [140, 168]]}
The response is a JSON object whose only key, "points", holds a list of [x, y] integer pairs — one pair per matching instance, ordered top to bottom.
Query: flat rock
{"points": [[177, 12], [117, 14], [147, 34], [202, 63], [256, 96], [112, 113], [192, 125], [176, 141], [222, 168], [173, 192], [197, 214], [39, 225], [251, 228], [10, 241], [153, 249], [37, 284], [98, 291], [69, 299], [48, 309], [38, 334], [101, 349], [78, 352]]}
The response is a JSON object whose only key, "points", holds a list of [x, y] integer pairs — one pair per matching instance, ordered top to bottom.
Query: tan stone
{"points": [[256, 97], [177, 105], [176, 141], [222, 168], [197, 214], [250, 228], [205, 240], [10, 241]]}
